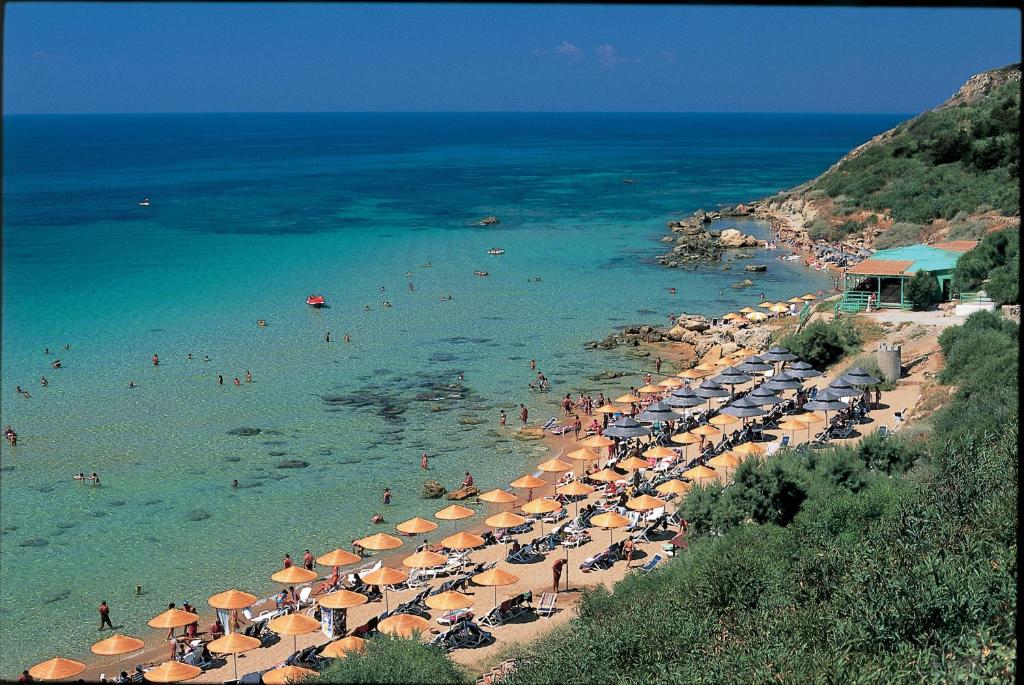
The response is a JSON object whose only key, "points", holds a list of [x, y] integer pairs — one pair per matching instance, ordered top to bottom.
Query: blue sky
{"points": [[148, 57]]}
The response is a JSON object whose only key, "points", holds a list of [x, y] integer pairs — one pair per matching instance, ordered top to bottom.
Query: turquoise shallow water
{"points": [[250, 213]]}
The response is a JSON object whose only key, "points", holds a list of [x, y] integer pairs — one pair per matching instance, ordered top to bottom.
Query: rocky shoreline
{"points": [[695, 244]]}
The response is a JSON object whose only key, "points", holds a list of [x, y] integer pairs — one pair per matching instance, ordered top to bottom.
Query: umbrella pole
{"points": [[566, 568], [386, 598], [234, 661]]}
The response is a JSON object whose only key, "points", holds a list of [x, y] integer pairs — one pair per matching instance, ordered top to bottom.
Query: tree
{"points": [[921, 290]]}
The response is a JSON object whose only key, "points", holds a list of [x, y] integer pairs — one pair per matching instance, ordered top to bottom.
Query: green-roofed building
{"points": [[882, 278]]}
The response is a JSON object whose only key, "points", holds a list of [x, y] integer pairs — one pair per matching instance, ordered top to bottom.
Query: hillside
{"points": [[952, 173]]}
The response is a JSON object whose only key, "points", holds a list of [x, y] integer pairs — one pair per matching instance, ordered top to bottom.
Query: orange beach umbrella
{"points": [[597, 441], [633, 464], [554, 466], [606, 476], [528, 482], [498, 496], [645, 503], [454, 513], [415, 526], [462, 540], [379, 542], [338, 557], [424, 559], [293, 575], [384, 577], [495, 578], [232, 599], [342, 599], [449, 601], [172, 618], [404, 625], [234, 644], [115, 645], [340, 648], [56, 668], [171, 672], [287, 674]]}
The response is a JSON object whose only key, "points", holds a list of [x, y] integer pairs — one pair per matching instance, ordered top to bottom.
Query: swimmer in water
{"points": [[408, 274], [412, 287], [382, 288], [385, 304], [366, 308], [328, 336], [347, 338], [67, 346], [46, 350], [188, 356], [206, 358], [156, 360], [56, 364], [248, 377], [220, 379], [43, 382], [237, 382], [131, 384], [80, 476], [94, 478], [234, 483], [377, 518]]}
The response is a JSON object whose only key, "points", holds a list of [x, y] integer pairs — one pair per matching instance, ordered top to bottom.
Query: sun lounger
{"points": [[549, 423], [561, 430], [555, 516], [524, 554], [651, 563], [547, 604], [415, 605], [496, 616], [450, 618], [468, 634]]}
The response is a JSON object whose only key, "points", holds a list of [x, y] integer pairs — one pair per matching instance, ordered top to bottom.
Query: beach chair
{"points": [[549, 423], [561, 430], [842, 431], [882, 431], [655, 515], [555, 516], [643, 535], [523, 555], [651, 563], [304, 600], [520, 604], [415, 605], [546, 608], [496, 616], [450, 618], [367, 628], [468, 635], [445, 640], [199, 657], [253, 678]]}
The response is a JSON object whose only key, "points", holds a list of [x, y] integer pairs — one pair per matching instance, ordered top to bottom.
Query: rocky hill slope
{"points": [[951, 173]]}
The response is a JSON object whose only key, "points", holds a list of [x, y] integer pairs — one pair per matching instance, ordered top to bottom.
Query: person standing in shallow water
{"points": [[524, 413], [502, 418], [423, 461], [386, 497], [105, 616]]}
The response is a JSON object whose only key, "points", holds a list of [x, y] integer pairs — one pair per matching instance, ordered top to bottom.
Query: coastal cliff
{"points": [[951, 173]]}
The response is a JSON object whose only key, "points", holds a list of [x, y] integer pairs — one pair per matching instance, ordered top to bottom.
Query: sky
{"points": [[194, 57]]}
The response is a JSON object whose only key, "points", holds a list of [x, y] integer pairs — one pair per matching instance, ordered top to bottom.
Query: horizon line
{"points": [[453, 111]]}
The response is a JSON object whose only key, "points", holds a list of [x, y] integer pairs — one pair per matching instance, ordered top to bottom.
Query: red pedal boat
{"points": [[315, 300]]}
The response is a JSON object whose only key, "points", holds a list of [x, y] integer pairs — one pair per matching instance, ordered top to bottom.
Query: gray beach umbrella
{"points": [[779, 354], [754, 364], [802, 369], [730, 375], [858, 376], [782, 381], [709, 389], [843, 389], [762, 396], [683, 398], [825, 401], [743, 407], [658, 411], [626, 427]]}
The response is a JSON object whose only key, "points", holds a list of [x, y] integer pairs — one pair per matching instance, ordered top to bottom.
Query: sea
{"points": [[251, 213]]}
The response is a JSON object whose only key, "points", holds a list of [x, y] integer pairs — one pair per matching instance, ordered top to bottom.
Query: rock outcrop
{"points": [[731, 237], [432, 490]]}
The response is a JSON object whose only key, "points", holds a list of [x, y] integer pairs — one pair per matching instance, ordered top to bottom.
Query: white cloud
{"points": [[567, 49], [608, 55], [669, 56]]}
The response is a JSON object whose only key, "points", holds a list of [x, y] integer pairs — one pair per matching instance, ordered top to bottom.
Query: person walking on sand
{"points": [[524, 413], [502, 418], [577, 425], [423, 461], [556, 572], [105, 616]]}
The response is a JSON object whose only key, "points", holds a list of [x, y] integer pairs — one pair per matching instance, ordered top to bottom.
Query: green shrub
{"points": [[967, 230], [899, 235], [996, 258], [921, 290], [821, 343], [394, 660]]}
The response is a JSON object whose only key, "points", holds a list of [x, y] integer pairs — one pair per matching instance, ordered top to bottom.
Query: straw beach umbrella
{"points": [[808, 297], [767, 304], [779, 308], [748, 310], [757, 316], [691, 374], [671, 383], [650, 390], [628, 398], [608, 409], [720, 420], [793, 424], [706, 431], [596, 441], [750, 449], [659, 452], [583, 454], [724, 461], [633, 464], [554, 466], [700, 473], [606, 475], [528, 482], [673, 487], [575, 489], [498, 496], [645, 503], [541, 506], [454, 512], [505, 520], [609, 520], [416, 526], [462, 540], [379, 542], [338, 557], [424, 559], [293, 575], [383, 577], [495, 578], [232, 599], [343, 599], [449, 601], [172, 618], [294, 625], [404, 625], [234, 644], [116, 645], [341, 648], [56, 668], [172, 672], [287, 674]]}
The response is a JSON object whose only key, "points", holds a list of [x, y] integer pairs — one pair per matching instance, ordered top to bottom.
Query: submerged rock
{"points": [[758, 268], [245, 431], [291, 464], [432, 489], [197, 515], [34, 542]]}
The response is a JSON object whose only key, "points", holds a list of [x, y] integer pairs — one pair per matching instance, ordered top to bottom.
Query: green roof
{"points": [[922, 256]]}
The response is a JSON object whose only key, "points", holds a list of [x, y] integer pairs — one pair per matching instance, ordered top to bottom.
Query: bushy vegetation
{"points": [[940, 163], [899, 234], [995, 259], [921, 290], [821, 343], [869, 362], [891, 561], [894, 561], [394, 660]]}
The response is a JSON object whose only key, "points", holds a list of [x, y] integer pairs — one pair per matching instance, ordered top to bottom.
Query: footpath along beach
{"points": [[535, 577]]}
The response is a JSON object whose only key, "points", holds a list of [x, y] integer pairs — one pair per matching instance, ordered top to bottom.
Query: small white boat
{"points": [[144, 203], [496, 250], [791, 258]]}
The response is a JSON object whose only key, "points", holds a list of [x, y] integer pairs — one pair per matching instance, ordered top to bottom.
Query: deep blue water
{"points": [[249, 214]]}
